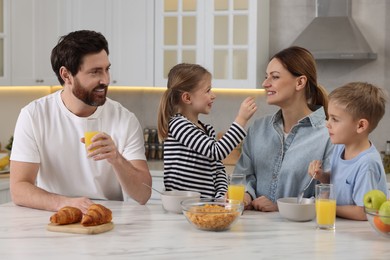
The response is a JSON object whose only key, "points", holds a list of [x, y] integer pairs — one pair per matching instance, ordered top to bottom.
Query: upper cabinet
{"points": [[36, 26], [128, 27], [146, 38], [229, 38], [4, 42], [132, 52]]}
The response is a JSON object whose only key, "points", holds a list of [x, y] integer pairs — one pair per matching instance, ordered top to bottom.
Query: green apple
{"points": [[373, 199], [384, 212]]}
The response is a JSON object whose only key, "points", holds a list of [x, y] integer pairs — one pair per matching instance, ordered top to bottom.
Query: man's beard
{"points": [[92, 98]]}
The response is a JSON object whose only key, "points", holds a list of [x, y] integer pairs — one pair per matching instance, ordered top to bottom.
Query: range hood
{"points": [[333, 35]]}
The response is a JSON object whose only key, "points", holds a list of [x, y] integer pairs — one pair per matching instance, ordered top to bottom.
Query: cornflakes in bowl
{"points": [[212, 214]]}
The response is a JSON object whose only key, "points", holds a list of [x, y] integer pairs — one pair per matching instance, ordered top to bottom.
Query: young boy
{"points": [[354, 109]]}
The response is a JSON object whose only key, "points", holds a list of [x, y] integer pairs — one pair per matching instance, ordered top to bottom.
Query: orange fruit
{"points": [[380, 225]]}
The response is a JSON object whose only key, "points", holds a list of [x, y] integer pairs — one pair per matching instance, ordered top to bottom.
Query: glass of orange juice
{"points": [[92, 127], [236, 187], [325, 206]]}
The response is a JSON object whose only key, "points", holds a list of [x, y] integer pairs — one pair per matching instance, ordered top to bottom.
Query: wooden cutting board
{"points": [[80, 229]]}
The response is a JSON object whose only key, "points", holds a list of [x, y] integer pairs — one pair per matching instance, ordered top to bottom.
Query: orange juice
{"points": [[88, 136], [236, 192], [326, 212]]}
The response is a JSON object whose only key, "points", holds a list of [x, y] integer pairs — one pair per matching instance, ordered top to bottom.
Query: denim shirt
{"points": [[276, 167]]}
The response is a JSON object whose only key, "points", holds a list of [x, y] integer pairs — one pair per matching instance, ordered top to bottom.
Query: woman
{"points": [[278, 148]]}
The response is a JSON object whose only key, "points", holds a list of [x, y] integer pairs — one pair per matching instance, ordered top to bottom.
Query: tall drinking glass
{"points": [[92, 127], [236, 187], [325, 206]]}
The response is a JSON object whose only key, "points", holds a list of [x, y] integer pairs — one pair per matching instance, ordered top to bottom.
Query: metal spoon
{"points": [[152, 188], [300, 196]]}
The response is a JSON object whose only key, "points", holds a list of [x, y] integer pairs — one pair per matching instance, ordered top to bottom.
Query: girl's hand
{"points": [[247, 109]]}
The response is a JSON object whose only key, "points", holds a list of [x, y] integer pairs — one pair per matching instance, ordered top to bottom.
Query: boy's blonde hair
{"points": [[361, 100]]}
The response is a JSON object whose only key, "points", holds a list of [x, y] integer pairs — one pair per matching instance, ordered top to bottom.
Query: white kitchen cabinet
{"points": [[127, 24], [36, 26], [128, 27], [229, 38], [5, 42], [132, 46], [158, 184], [5, 195]]}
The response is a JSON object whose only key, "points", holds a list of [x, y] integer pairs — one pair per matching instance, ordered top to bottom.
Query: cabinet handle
{"points": [[39, 81], [114, 81]]}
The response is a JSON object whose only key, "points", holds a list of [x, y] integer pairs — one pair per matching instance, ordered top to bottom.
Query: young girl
{"points": [[192, 155]]}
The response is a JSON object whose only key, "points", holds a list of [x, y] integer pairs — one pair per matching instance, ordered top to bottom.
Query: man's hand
{"points": [[103, 148]]}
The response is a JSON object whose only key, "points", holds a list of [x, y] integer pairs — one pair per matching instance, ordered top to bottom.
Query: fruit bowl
{"points": [[291, 210], [212, 214], [378, 222]]}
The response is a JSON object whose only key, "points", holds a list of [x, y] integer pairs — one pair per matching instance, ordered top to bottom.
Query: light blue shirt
{"points": [[277, 167], [351, 179]]}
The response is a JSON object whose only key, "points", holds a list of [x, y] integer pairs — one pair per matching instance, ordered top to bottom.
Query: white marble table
{"points": [[147, 232]]}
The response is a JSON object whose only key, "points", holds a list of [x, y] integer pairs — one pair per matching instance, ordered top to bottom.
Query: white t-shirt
{"points": [[48, 133]]}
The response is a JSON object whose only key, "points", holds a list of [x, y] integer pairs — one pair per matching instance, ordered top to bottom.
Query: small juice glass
{"points": [[92, 127], [236, 187]]}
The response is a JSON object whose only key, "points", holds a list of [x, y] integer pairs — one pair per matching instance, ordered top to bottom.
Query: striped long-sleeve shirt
{"points": [[192, 157]]}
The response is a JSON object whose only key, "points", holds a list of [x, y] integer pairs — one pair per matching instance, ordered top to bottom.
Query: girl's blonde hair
{"points": [[300, 62], [183, 77]]}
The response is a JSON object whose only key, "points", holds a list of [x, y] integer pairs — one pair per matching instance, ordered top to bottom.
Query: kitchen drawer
{"points": [[158, 184], [5, 195]]}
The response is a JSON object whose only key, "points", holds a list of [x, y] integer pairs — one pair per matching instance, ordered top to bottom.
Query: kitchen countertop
{"points": [[148, 232]]}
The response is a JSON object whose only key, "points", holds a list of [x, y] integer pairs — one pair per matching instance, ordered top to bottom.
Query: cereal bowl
{"points": [[171, 199], [291, 210], [212, 214], [377, 222]]}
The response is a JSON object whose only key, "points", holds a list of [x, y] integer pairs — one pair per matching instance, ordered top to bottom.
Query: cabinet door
{"points": [[36, 26], [128, 28], [179, 35], [224, 36], [5, 43], [132, 46]]}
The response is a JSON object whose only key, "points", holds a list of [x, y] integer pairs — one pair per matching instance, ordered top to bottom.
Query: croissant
{"points": [[97, 214], [67, 215]]}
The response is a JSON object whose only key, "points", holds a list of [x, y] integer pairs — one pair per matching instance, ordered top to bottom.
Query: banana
{"points": [[4, 162]]}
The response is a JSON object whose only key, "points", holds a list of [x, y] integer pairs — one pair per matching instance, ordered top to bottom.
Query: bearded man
{"points": [[50, 167]]}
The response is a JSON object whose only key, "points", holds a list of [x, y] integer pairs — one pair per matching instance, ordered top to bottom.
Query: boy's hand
{"points": [[315, 169]]}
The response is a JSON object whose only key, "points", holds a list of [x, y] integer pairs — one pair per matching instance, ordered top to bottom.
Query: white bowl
{"points": [[171, 199], [291, 210]]}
